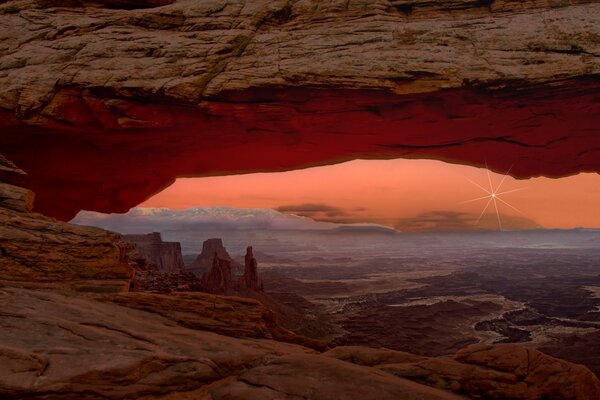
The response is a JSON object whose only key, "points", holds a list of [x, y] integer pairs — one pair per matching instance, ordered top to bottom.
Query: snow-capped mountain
{"points": [[141, 219]]}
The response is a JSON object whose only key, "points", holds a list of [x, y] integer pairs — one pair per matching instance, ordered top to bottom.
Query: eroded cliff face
{"points": [[105, 103], [161, 256], [205, 260], [220, 278]]}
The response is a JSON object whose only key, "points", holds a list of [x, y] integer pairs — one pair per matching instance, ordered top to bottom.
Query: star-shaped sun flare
{"points": [[493, 196]]}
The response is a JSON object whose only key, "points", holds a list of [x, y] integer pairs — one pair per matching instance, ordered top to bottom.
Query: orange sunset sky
{"points": [[395, 193]]}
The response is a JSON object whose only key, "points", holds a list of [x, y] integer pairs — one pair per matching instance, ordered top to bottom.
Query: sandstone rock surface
{"points": [[190, 51], [196, 89], [8, 168], [39, 251], [230, 316], [149, 346], [77, 347], [503, 371]]}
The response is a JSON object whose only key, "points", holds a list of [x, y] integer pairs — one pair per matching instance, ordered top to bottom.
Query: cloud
{"points": [[317, 211], [432, 221], [451, 221]]}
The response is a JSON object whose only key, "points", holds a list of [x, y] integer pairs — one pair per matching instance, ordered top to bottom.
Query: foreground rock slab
{"points": [[227, 315], [59, 346], [504, 371]]}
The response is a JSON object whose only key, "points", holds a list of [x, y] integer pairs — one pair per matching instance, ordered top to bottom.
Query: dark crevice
{"points": [[485, 3], [110, 4], [409, 7], [404, 8], [278, 17], [422, 74], [500, 139], [93, 146], [121, 331]]}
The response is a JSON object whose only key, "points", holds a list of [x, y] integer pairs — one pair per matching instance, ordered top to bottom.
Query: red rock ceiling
{"points": [[104, 103], [108, 154]]}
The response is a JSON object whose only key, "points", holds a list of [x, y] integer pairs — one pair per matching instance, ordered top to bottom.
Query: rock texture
{"points": [[131, 94], [7, 168], [39, 251], [161, 256], [146, 280], [231, 316], [148, 346], [77, 347], [505, 371]]}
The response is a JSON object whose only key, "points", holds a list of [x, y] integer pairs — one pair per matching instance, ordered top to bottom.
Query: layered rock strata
{"points": [[39, 251], [161, 256], [143, 347]]}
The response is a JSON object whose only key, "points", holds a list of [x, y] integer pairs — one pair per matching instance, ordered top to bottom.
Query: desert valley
{"points": [[427, 293]]}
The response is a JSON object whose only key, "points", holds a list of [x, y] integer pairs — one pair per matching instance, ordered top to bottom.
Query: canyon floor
{"points": [[433, 294]]}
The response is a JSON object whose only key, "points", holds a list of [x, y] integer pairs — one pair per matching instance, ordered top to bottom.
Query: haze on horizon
{"points": [[398, 193]]}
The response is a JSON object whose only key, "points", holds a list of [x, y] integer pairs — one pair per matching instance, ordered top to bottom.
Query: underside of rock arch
{"points": [[104, 104]]}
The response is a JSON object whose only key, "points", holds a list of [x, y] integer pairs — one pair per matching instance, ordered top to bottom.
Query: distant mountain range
{"points": [[142, 220], [285, 236]]}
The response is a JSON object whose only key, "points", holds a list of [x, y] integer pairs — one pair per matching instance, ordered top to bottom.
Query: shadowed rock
{"points": [[161, 256], [205, 259], [250, 278], [218, 279]]}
